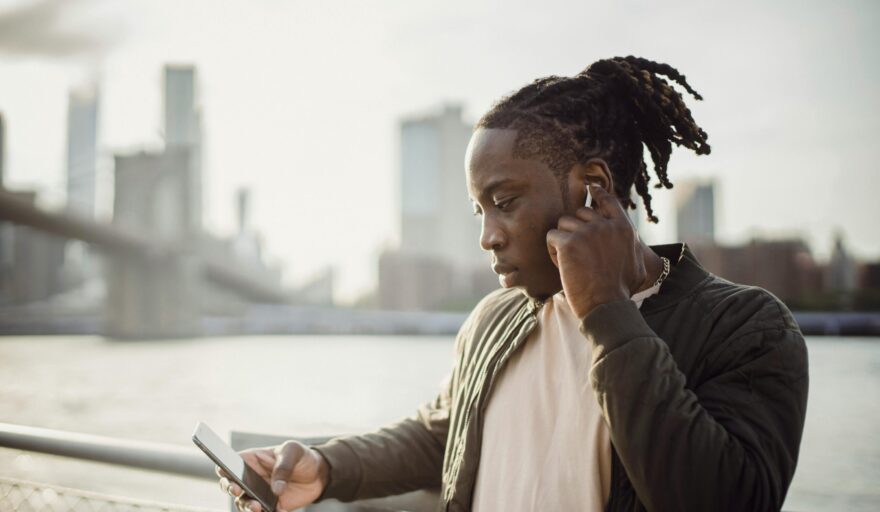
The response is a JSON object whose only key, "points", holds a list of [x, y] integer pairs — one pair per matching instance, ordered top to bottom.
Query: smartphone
{"points": [[231, 462]]}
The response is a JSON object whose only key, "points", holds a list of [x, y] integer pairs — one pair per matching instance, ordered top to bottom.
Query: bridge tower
{"points": [[160, 194], [157, 295]]}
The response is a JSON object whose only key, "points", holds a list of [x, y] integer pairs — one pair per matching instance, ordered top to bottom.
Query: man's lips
{"points": [[501, 269], [506, 274]]}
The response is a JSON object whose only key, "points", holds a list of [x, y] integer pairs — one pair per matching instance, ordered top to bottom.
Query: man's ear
{"points": [[595, 171]]}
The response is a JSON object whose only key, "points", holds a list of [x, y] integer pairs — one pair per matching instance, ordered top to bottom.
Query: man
{"points": [[606, 374]]}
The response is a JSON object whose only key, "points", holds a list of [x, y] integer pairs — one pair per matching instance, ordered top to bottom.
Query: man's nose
{"points": [[492, 237]]}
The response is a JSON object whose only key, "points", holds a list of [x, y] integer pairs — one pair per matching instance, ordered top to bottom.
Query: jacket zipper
{"points": [[491, 370]]}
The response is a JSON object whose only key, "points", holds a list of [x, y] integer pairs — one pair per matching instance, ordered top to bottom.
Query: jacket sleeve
{"points": [[730, 444], [401, 457]]}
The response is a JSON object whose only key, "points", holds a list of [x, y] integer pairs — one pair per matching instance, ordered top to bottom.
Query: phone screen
{"points": [[224, 456]]}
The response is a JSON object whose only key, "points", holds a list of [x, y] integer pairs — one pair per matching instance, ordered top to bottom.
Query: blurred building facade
{"points": [[695, 211], [30, 262], [439, 263], [785, 267], [869, 276], [867, 295]]}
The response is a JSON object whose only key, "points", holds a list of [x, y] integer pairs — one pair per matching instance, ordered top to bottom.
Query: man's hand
{"points": [[597, 253], [296, 473]]}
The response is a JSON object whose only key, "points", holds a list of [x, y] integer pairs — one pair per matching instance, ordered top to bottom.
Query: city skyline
{"points": [[780, 127]]}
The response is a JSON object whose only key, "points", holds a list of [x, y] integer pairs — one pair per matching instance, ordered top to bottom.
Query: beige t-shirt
{"points": [[545, 443]]}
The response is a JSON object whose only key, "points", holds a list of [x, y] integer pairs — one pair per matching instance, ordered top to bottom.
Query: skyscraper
{"points": [[183, 130], [82, 144], [695, 211], [436, 216], [439, 263], [80, 265]]}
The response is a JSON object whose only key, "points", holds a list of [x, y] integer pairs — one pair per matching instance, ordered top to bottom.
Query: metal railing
{"points": [[163, 458]]}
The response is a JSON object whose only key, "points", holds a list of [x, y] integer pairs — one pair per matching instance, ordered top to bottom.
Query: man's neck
{"points": [[653, 266]]}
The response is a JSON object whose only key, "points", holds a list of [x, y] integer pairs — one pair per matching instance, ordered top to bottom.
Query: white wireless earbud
{"points": [[588, 202]]}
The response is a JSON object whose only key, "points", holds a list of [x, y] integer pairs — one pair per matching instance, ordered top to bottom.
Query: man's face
{"points": [[519, 201]]}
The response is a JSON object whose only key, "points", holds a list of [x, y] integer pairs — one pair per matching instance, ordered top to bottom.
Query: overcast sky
{"points": [[301, 102]]}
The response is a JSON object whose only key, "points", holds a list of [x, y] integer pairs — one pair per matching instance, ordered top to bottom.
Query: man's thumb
{"points": [[288, 455]]}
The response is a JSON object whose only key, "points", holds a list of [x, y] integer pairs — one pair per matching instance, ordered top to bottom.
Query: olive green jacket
{"points": [[704, 390]]}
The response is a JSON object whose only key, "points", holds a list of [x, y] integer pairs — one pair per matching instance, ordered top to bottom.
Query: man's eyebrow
{"points": [[494, 184]]}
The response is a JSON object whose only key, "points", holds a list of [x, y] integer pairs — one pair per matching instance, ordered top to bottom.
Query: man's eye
{"points": [[502, 205]]}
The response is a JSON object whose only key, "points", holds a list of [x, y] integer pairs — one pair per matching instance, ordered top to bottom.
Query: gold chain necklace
{"points": [[665, 271]]}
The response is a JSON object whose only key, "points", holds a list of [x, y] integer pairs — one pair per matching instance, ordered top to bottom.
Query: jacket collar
{"points": [[685, 273]]}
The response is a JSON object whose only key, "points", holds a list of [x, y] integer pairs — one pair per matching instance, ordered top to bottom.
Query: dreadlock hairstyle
{"points": [[609, 110]]}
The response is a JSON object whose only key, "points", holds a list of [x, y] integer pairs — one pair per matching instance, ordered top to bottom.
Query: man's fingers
{"points": [[605, 202], [588, 214], [581, 215], [567, 223], [556, 238], [266, 457], [260, 460], [231, 488], [246, 505]]}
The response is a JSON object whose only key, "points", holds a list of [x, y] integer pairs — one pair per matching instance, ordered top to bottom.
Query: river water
{"points": [[324, 385]]}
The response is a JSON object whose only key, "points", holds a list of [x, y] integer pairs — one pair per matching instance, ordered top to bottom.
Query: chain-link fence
{"points": [[22, 496]]}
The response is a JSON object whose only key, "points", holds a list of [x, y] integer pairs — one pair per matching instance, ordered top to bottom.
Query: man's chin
{"points": [[509, 279], [546, 286], [541, 294]]}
